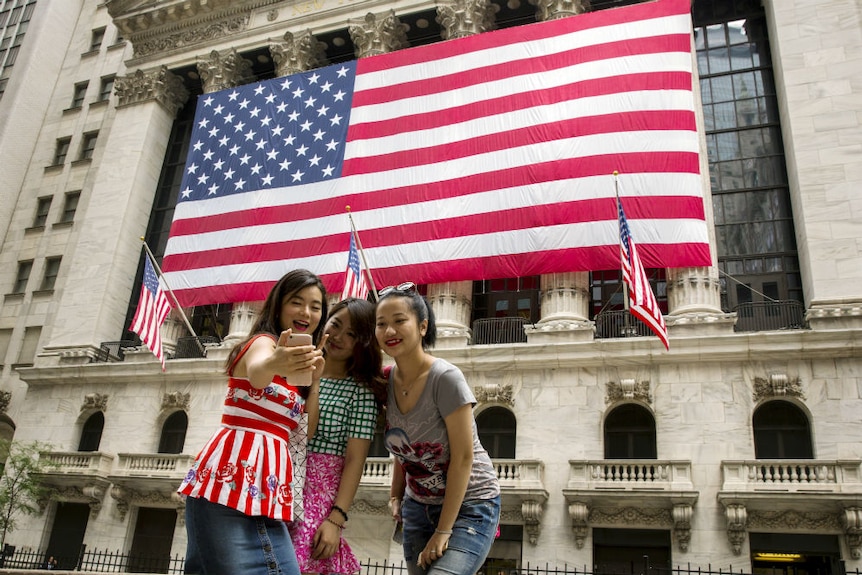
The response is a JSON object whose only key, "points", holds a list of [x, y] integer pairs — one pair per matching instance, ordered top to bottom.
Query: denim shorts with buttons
{"points": [[223, 541], [470, 542]]}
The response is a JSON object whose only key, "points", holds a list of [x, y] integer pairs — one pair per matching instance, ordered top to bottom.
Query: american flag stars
{"points": [[276, 133]]}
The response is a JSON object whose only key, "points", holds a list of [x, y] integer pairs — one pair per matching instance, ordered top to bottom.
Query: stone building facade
{"points": [[740, 446]]}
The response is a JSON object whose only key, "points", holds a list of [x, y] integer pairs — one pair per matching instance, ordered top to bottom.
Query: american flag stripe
{"points": [[463, 157], [153, 308]]}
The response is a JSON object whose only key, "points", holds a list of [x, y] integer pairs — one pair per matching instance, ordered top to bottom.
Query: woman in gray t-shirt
{"points": [[445, 488]]}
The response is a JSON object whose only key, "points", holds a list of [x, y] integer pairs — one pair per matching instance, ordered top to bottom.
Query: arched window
{"points": [[781, 431], [497, 432], [174, 433], [630, 433], [91, 434]]}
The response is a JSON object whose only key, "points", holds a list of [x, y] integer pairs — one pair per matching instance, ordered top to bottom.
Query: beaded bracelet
{"points": [[340, 510], [340, 526]]}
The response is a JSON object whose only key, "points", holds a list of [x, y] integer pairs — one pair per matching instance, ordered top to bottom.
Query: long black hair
{"points": [[267, 321], [365, 365]]}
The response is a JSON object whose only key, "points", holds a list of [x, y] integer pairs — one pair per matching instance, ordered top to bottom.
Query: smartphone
{"points": [[294, 340], [398, 532]]}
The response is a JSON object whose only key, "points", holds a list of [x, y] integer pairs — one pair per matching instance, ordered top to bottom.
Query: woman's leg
{"points": [[223, 541], [470, 542]]}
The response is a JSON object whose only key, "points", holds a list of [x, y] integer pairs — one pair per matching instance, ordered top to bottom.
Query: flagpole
{"points": [[362, 254], [178, 307], [626, 318]]}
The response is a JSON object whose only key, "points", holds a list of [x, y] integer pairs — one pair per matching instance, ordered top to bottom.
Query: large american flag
{"points": [[483, 157], [641, 299], [153, 308]]}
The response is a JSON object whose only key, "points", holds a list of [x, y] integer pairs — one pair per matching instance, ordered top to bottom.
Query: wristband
{"points": [[340, 510], [339, 525], [443, 531]]}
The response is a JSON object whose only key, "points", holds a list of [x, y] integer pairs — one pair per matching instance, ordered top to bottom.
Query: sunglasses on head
{"points": [[406, 287]]}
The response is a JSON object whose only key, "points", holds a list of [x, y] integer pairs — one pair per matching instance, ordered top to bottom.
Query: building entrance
{"points": [[795, 554]]}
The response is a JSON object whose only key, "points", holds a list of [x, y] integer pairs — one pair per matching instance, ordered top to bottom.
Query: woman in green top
{"points": [[351, 391]]}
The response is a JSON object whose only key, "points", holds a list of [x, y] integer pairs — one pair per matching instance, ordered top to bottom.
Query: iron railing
{"points": [[770, 315], [619, 323], [494, 330], [194, 347], [113, 350], [102, 561]]}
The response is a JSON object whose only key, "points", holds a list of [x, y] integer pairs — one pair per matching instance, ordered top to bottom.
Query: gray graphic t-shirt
{"points": [[420, 442]]}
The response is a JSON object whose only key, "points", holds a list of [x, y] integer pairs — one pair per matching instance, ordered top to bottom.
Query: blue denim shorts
{"points": [[471, 539], [223, 541]]}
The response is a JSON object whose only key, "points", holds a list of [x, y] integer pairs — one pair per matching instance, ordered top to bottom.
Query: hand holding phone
{"points": [[289, 339]]}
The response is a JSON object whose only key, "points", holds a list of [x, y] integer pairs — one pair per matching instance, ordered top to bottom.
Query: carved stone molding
{"points": [[554, 9], [461, 18], [377, 34], [186, 37], [297, 53], [221, 70], [158, 85], [777, 385], [628, 389], [496, 393], [5, 398], [176, 400], [95, 401], [92, 494], [125, 498], [531, 511], [580, 514], [681, 515], [632, 516], [790, 519], [737, 520], [851, 521]]}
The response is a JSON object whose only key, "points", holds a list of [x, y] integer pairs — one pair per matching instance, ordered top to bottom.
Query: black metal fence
{"points": [[770, 315], [620, 323], [494, 330], [193, 347], [96, 561]]}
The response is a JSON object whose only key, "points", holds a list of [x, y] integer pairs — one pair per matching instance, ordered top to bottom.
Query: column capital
{"points": [[555, 9], [460, 18], [377, 34], [297, 53], [226, 69], [159, 85], [694, 302], [452, 304], [565, 305]]}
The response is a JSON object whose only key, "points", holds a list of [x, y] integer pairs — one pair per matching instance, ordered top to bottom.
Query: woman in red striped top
{"points": [[238, 492]]}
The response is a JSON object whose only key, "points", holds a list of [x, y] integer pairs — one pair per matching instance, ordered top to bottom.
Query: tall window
{"points": [[96, 39], [105, 88], [79, 93], [88, 145], [61, 150], [751, 199], [43, 206], [70, 206], [52, 270], [23, 276], [507, 297], [27, 353], [781, 431], [497, 432], [91, 433], [174, 433], [630, 433]]}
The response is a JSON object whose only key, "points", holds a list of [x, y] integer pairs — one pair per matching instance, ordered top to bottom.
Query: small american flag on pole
{"points": [[354, 284], [642, 302], [153, 308]]}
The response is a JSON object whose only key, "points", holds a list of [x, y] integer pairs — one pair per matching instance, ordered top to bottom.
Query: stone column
{"points": [[554, 9], [460, 18], [377, 34], [297, 53], [219, 71], [105, 260], [451, 302], [565, 309]]}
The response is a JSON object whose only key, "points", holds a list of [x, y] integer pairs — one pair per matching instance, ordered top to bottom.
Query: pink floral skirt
{"points": [[322, 478]]}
